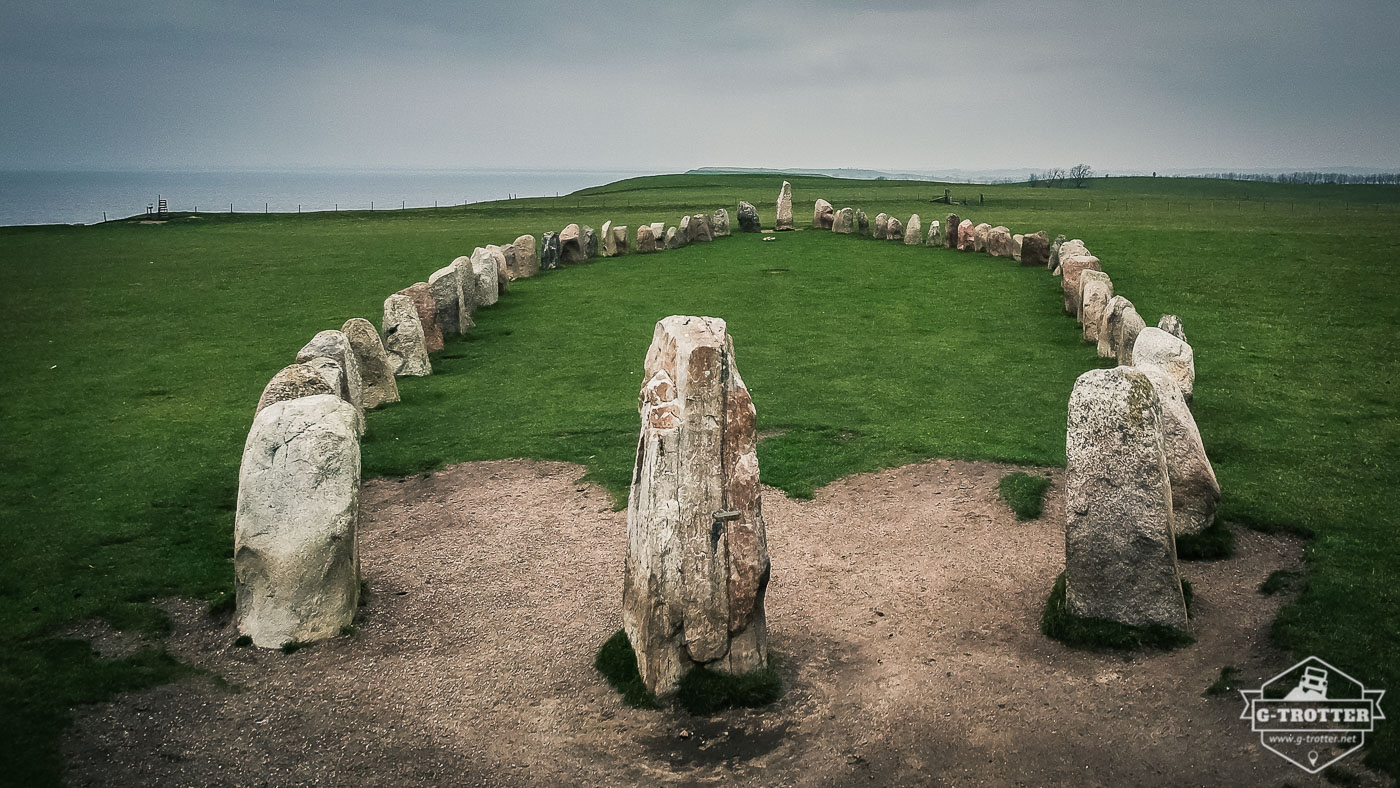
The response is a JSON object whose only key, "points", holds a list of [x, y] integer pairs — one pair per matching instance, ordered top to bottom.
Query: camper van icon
{"points": [[1313, 686]]}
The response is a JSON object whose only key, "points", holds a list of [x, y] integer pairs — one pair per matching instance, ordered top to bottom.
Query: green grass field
{"points": [[135, 355]]}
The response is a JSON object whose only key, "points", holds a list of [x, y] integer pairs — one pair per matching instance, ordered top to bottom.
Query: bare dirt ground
{"points": [[904, 607]]}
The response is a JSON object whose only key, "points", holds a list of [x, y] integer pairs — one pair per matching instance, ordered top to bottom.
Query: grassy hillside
{"points": [[135, 354]]}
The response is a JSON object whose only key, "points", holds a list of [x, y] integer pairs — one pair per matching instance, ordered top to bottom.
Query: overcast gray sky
{"points": [[636, 85]]}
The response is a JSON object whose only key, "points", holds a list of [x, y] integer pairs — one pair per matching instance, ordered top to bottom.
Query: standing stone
{"points": [[785, 207], [822, 215], [748, 218], [842, 221], [721, 222], [862, 222], [882, 225], [953, 225], [699, 227], [683, 230], [894, 230], [914, 231], [658, 234], [935, 234], [966, 236], [979, 236], [619, 239], [673, 239], [609, 240], [999, 241], [1016, 241], [590, 242], [646, 242], [571, 245], [1035, 249], [549, 250], [1054, 261], [527, 263], [1071, 267], [502, 274], [466, 279], [445, 284], [488, 289], [1095, 291], [1172, 325], [1110, 328], [1128, 330], [403, 337], [336, 346], [1155, 347], [330, 372], [294, 381], [377, 384], [1195, 490], [1120, 545], [697, 558], [296, 561]]}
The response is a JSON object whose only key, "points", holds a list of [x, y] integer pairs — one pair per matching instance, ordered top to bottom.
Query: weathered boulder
{"points": [[785, 207], [822, 215], [748, 218], [843, 221], [720, 222], [862, 222], [882, 224], [953, 224], [699, 228], [894, 229], [683, 230], [913, 231], [658, 234], [935, 234], [979, 237], [673, 238], [967, 238], [619, 239], [609, 240], [999, 241], [1016, 241], [590, 242], [646, 242], [571, 245], [1035, 249], [549, 250], [527, 261], [1054, 262], [1071, 267], [502, 274], [466, 278], [445, 284], [488, 286], [1095, 291], [422, 299], [1172, 325], [1111, 326], [1129, 327], [403, 337], [336, 346], [1155, 347], [330, 372], [294, 381], [377, 384], [1195, 490], [1120, 545], [697, 559], [296, 562]]}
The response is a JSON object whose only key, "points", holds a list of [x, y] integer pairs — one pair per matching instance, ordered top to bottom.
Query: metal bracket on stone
{"points": [[722, 516]]}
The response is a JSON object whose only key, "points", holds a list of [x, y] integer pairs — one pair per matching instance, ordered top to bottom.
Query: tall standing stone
{"points": [[785, 207], [822, 215], [748, 218], [720, 222], [842, 222], [862, 222], [882, 225], [953, 225], [699, 228], [894, 229], [683, 230], [913, 231], [658, 233], [935, 234], [979, 236], [966, 237], [673, 238], [619, 239], [608, 240], [999, 241], [1016, 241], [590, 242], [646, 242], [571, 245], [1035, 249], [527, 262], [1054, 262], [1071, 266], [502, 274], [466, 278], [488, 285], [446, 286], [1095, 291], [1111, 326], [1129, 328], [403, 337], [334, 345], [1155, 347], [292, 382], [377, 384], [1195, 490], [1120, 544], [697, 556], [296, 562]]}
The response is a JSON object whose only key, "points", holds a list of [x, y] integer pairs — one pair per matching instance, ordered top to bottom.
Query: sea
{"points": [[87, 197]]}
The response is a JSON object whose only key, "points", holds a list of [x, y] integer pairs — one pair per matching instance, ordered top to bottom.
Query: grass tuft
{"points": [[1024, 493], [1215, 542], [1281, 580], [222, 604], [1099, 634], [243, 641], [293, 646], [618, 664], [1225, 684], [703, 691]]}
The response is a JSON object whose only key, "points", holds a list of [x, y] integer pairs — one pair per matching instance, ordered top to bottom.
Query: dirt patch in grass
{"points": [[905, 605]]}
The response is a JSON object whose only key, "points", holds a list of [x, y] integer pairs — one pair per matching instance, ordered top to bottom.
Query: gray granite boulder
{"points": [[785, 207], [822, 215], [748, 218], [843, 221], [719, 222], [882, 225], [699, 228], [894, 229], [913, 231], [935, 234], [673, 238], [609, 240], [999, 241], [1016, 241], [590, 242], [646, 242], [571, 248], [1035, 249], [549, 251], [527, 261], [1054, 262], [445, 284], [488, 287], [1095, 291], [1172, 325], [1111, 326], [1129, 327], [403, 337], [336, 346], [1155, 347], [294, 381], [377, 384], [1195, 490]]}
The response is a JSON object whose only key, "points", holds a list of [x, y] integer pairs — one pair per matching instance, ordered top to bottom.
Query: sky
{"points": [[665, 87]]}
